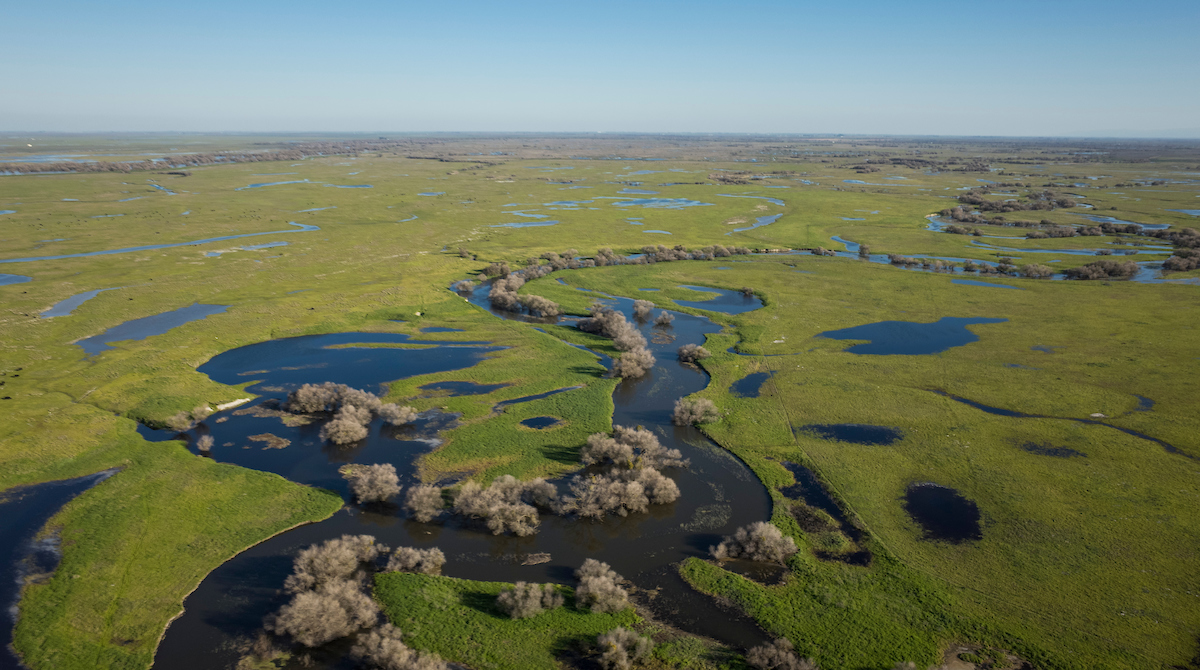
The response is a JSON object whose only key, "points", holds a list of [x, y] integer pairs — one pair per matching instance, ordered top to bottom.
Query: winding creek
{"points": [[719, 493]]}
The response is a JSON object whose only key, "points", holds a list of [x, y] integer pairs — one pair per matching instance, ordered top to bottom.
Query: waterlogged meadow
{"points": [[957, 463]]}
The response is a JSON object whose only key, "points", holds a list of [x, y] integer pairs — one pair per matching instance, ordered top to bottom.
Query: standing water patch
{"points": [[726, 302], [65, 307], [140, 329], [909, 338], [750, 386], [456, 389], [540, 422], [858, 433], [943, 512]]}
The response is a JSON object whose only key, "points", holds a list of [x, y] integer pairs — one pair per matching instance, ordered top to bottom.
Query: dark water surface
{"points": [[157, 324], [888, 338], [751, 385], [858, 433], [719, 493], [23, 512], [943, 512]]}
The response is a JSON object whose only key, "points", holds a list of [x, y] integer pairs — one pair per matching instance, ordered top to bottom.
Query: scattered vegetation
{"points": [[692, 353], [689, 411], [372, 483], [424, 561], [599, 588], [524, 600], [621, 649], [778, 655]]}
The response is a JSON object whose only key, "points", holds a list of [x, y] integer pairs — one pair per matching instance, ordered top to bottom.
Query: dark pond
{"points": [[300, 228], [5, 280], [974, 282], [725, 301], [65, 307], [140, 329], [440, 329], [887, 338], [750, 385], [455, 389], [1144, 404], [540, 422], [858, 433], [1049, 450], [719, 493], [24, 511], [943, 512]]}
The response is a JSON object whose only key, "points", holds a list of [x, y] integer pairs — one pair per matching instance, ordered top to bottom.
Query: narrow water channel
{"points": [[719, 493]]}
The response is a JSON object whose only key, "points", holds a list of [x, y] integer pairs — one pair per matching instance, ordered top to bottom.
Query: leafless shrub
{"points": [[864, 251], [464, 253], [1104, 269], [496, 270], [1037, 271], [463, 286], [747, 291], [540, 306], [641, 308], [664, 319], [604, 320], [629, 339], [690, 353], [634, 363], [314, 398], [694, 410], [201, 412], [397, 415], [348, 425], [205, 442], [630, 448], [372, 483], [424, 502], [501, 514], [760, 541], [339, 559], [424, 561], [599, 589], [524, 600], [335, 609], [384, 648], [620, 649], [778, 655]]}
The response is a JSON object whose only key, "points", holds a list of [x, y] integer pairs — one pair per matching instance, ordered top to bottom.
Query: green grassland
{"points": [[1085, 562]]}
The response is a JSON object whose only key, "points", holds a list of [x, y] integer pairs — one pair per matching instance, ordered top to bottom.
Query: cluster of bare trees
{"points": [[1043, 201], [662, 254], [1182, 260], [933, 264], [1103, 269], [1037, 271], [463, 286], [503, 295], [637, 359], [352, 410], [694, 410], [626, 475], [372, 483], [507, 505], [759, 541], [329, 600], [524, 600], [778, 655]]}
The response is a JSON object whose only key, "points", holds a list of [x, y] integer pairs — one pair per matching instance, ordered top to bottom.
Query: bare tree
{"points": [[641, 309], [664, 319], [690, 353], [634, 363], [694, 410], [397, 415], [205, 442], [372, 483], [424, 502], [760, 541], [344, 558], [424, 561], [599, 589], [524, 600], [335, 609], [383, 647], [620, 649], [778, 655]]}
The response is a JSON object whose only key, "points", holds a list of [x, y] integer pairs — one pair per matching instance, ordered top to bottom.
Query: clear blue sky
{"points": [[1052, 67]]}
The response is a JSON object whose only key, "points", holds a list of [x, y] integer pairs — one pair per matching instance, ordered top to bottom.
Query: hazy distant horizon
{"points": [[874, 68]]}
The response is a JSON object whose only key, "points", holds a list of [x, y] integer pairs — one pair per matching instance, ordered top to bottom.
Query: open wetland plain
{"points": [[472, 402]]}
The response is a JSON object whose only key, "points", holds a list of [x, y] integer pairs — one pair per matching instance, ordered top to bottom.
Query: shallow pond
{"points": [[773, 201], [661, 203], [759, 223], [525, 224], [300, 228], [5, 280], [725, 301], [65, 307], [140, 329], [908, 338], [750, 386], [541, 422], [856, 433], [719, 493], [24, 511], [943, 513]]}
